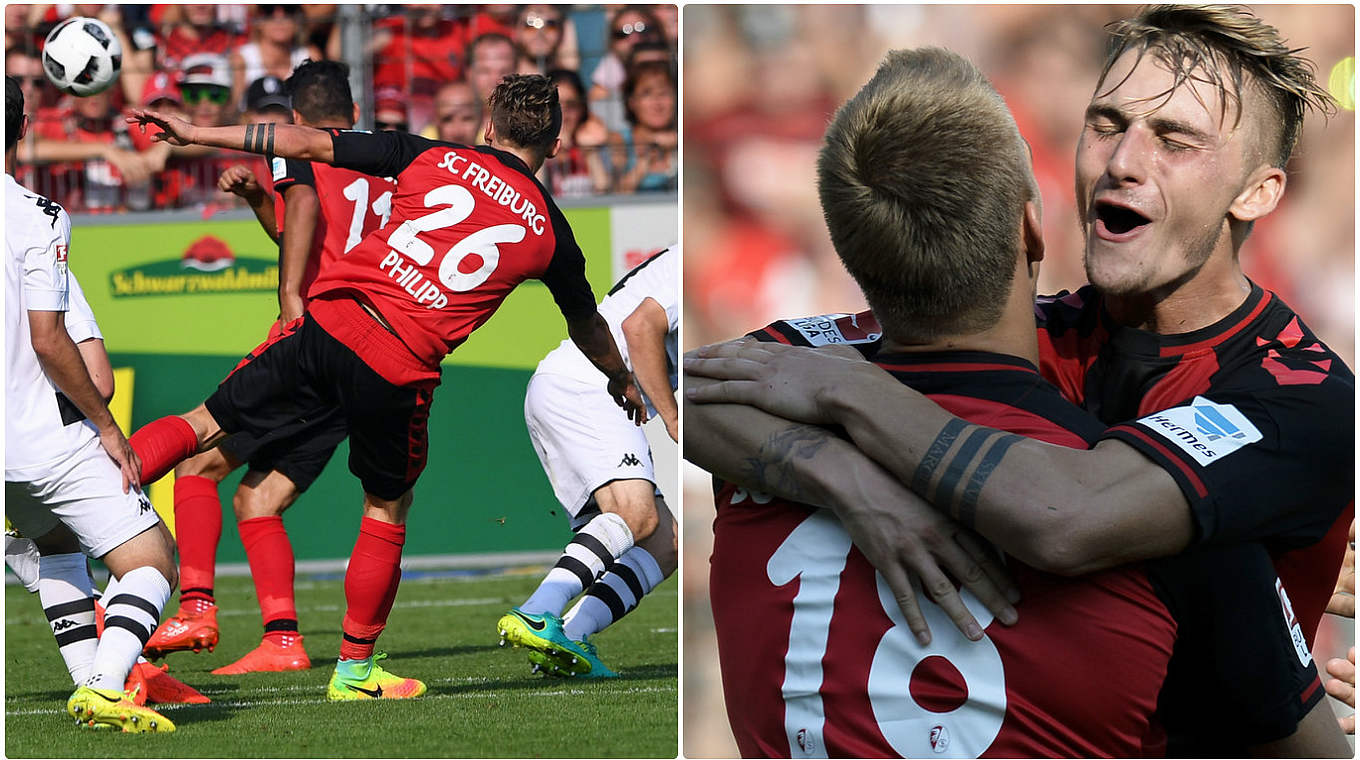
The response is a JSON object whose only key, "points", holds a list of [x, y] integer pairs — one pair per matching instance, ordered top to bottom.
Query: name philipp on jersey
{"points": [[493, 187]]}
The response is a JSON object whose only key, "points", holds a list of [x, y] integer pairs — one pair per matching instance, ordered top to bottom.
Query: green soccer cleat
{"points": [[542, 633], [542, 663], [364, 679], [99, 708]]}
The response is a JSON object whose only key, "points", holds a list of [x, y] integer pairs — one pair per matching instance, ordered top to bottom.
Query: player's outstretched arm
{"points": [[285, 140], [645, 332], [591, 335], [61, 361], [1063, 510], [895, 529]]}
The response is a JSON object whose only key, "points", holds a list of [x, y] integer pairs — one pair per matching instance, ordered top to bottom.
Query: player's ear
{"points": [[356, 113], [23, 127], [489, 136], [552, 150], [1260, 194], [1032, 232]]}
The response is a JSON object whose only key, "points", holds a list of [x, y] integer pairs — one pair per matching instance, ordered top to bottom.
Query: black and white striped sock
{"points": [[591, 552], [614, 595], [67, 598], [130, 615]]}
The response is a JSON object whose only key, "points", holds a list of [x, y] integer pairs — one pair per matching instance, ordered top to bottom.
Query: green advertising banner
{"points": [[180, 300]]}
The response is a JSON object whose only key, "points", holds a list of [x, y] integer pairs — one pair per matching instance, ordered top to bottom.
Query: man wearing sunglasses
{"points": [[539, 33], [206, 89]]}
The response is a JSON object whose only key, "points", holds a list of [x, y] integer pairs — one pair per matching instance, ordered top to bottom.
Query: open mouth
{"points": [[1119, 220]]}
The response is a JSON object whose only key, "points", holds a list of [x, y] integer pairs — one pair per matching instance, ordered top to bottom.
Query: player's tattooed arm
{"points": [[284, 140], [1064, 510], [898, 531]]}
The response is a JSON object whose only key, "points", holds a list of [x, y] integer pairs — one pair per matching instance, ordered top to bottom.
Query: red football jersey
{"points": [[353, 205], [467, 226], [1251, 416], [792, 596]]}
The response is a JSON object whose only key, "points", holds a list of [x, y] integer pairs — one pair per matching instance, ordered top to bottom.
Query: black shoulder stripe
{"points": [[619, 285]]}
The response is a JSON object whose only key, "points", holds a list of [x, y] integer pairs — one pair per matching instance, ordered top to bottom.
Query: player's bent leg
{"points": [[164, 443], [635, 501], [259, 504], [198, 517], [596, 545], [145, 572], [371, 582], [621, 588], [67, 597]]}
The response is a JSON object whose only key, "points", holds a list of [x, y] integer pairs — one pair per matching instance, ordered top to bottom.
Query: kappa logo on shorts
{"points": [[1204, 430], [630, 460], [143, 504]]}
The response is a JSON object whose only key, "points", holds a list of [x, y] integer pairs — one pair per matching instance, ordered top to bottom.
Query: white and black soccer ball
{"points": [[82, 56]]}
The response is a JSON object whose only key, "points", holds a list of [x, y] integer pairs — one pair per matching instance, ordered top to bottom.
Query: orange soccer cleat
{"points": [[184, 631], [269, 657], [148, 683]]}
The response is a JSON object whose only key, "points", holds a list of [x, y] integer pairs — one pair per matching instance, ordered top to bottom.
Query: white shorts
{"points": [[583, 439], [85, 491]]}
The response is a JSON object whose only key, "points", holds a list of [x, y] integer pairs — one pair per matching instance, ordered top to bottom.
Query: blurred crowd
{"points": [[424, 69], [761, 83]]}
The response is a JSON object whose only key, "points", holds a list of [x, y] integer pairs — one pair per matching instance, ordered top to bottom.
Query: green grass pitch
{"points": [[482, 700]]}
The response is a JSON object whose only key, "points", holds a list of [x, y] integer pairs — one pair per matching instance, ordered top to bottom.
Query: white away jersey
{"points": [[37, 234], [657, 278]]}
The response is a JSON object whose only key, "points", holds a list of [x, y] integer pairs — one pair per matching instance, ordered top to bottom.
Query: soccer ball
{"points": [[82, 56]]}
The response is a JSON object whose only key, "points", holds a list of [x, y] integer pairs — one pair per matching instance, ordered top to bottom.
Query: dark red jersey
{"points": [[352, 205], [467, 225], [1253, 417], [817, 660]]}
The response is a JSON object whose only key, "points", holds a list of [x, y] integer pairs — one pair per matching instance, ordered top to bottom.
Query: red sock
{"points": [[162, 444], [198, 527], [271, 566], [370, 586]]}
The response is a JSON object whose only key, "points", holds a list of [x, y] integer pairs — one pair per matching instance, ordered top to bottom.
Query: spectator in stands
{"points": [[669, 16], [492, 18], [318, 24], [629, 26], [197, 31], [540, 34], [273, 51], [416, 51], [490, 58], [205, 84], [267, 101], [389, 111], [457, 115], [649, 141], [94, 144], [579, 168]]}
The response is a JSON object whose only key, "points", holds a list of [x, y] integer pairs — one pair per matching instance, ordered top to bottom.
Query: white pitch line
{"points": [[322, 701]]}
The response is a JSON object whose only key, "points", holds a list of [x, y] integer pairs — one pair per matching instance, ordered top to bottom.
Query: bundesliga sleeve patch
{"points": [[279, 167], [831, 329], [1204, 430]]}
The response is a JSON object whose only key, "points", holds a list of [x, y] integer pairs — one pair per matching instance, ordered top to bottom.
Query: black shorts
{"points": [[304, 375], [301, 453]]}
